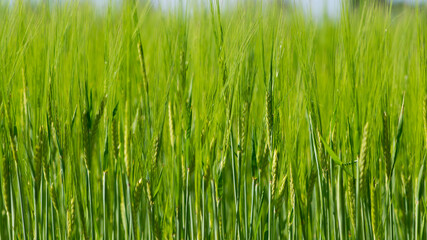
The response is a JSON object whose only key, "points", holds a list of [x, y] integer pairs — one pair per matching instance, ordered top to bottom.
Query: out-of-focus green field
{"points": [[252, 122]]}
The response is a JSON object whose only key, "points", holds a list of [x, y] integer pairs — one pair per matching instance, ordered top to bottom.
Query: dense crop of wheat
{"points": [[203, 122]]}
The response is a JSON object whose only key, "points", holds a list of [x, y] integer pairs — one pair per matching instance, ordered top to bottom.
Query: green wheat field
{"points": [[206, 122]]}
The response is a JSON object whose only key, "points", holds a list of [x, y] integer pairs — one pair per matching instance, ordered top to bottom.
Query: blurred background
{"points": [[315, 8]]}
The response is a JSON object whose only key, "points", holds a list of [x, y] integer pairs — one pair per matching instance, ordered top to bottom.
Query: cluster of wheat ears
{"points": [[254, 122]]}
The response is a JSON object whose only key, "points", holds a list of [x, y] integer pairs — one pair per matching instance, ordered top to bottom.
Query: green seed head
{"points": [[171, 125], [39, 157], [363, 163], [274, 174], [6, 182], [351, 198], [71, 218]]}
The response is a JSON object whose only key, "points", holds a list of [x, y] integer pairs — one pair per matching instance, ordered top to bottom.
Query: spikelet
{"points": [[269, 118], [425, 121], [171, 125], [242, 126], [127, 141], [86, 142], [156, 144], [386, 145], [39, 155], [363, 163], [183, 167], [274, 174], [220, 181], [6, 182], [291, 185], [280, 191], [149, 193], [291, 194], [53, 197], [351, 198], [374, 205], [376, 211], [71, 216]]}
